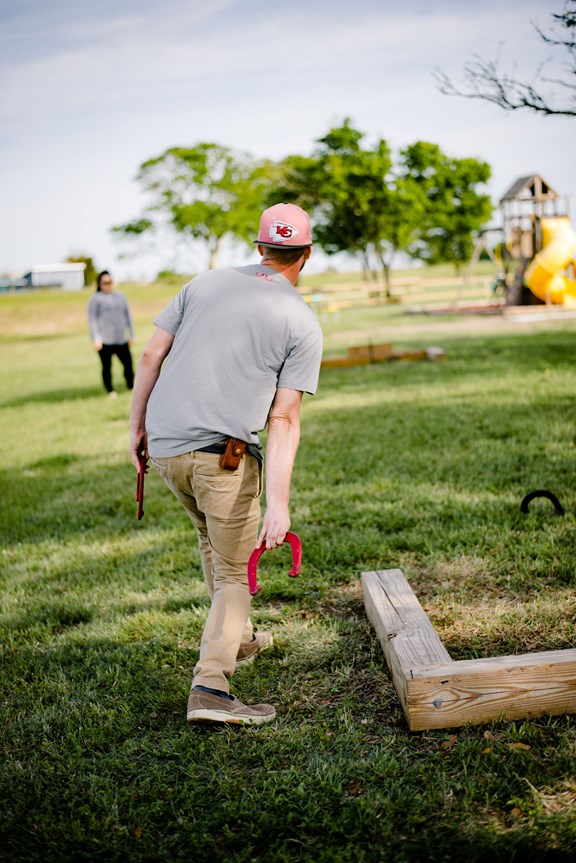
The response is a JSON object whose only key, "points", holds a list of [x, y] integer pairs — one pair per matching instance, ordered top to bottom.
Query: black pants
{"points": [[123, 353]]}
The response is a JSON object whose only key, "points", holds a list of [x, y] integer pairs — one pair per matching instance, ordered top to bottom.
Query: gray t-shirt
{"points": [[239, 334]]}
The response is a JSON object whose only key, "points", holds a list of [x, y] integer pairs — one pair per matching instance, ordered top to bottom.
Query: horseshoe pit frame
{"points": [[438, 692]]}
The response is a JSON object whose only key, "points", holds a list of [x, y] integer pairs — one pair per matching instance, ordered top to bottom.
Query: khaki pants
{"points": [[224, 506]]}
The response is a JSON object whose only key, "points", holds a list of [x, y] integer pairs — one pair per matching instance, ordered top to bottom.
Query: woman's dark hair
{"points": [[99, 277]]}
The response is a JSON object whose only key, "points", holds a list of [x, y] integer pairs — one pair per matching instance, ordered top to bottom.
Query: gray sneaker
{"points": [[247, 652], [205, 707]]}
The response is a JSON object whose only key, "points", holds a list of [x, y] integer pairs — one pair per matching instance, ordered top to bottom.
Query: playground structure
{"points": [[539, 242], [436, 691]]}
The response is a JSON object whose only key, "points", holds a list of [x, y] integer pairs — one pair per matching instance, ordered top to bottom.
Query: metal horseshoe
{"points": [[295, 544]]}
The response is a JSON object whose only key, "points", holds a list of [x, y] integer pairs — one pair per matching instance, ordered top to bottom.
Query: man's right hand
{"points": [[147, 373], [281, 446], [139, 448]]}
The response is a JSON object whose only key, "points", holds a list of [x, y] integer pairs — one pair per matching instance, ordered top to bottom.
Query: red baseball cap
{"points": [[285, 225]]}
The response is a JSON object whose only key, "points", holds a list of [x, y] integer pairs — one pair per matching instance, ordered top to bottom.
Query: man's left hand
{"points": [[275, 526]]}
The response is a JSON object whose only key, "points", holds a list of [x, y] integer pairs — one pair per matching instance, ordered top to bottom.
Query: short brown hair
{"points": [[284, 255]]}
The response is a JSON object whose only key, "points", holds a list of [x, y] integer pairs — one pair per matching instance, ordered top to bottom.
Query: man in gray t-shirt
{"points": [[233, 352]]}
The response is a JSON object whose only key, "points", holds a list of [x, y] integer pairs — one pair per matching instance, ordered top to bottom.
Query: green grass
{"points": [[420, 466]]}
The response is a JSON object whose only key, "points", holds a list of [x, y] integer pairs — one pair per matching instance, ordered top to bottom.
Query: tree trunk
{"points": [[213, 250], [385, 270], [366, 273]]}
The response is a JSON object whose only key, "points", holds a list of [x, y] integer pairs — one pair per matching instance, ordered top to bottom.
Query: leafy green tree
{"points": [[349, 190], [206, 192], [361, 203], [426, 204], [449, 208], [90, 273]]}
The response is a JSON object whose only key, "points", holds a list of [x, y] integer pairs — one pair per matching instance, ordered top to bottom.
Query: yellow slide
{"points": [[543, 276]]}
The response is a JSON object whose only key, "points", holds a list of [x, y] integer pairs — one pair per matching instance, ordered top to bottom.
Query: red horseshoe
{"points": [[140, 484], [296, 545]]}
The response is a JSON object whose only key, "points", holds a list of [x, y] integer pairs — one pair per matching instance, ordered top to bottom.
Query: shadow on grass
{"points": [[58, 396], [66, 496], [45, 618]]}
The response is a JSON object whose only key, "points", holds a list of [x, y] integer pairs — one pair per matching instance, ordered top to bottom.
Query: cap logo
{"points": [[281, 231]]}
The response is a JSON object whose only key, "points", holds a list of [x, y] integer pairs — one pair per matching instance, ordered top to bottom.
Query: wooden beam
{"points": [[370, 353], [361, 355], [364, 355], [338, 362], [402, 625], [407, 637], [483, 690], [436, 692]]}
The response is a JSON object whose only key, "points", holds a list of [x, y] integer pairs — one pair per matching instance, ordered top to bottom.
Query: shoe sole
{"points": [[248, 659], [205, 715]]}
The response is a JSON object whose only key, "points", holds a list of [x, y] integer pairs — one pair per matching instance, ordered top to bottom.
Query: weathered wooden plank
{"points": [[370, 353], [360, 355], [337, 362], [400, 620], [386, 621], [403, 628], [483, 690]]}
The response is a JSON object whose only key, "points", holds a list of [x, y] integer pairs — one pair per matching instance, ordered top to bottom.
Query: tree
{"points": [[484, 80], [348, 190], [206, 192], [427, 205], [450, 209], [90, 273]]}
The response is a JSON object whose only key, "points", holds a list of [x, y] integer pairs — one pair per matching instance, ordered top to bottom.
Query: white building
{"points": [[69, 277]]}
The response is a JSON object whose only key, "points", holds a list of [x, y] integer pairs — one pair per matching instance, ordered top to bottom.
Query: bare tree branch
{"points": [[484, 80]]}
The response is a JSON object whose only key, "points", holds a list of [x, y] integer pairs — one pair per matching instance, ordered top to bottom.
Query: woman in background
{"points": [[109, 320]]}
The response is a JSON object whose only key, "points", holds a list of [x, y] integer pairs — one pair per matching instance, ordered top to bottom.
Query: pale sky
{"points": [[89, 90]]}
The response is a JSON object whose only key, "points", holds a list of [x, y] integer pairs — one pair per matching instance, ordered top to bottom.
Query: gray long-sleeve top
{"points": [[109, 318]]}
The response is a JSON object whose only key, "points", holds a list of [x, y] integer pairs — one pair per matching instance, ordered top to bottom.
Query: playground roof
{"points": [[531, 187]]}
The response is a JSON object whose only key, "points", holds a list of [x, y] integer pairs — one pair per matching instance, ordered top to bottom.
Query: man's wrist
{"points": [[271, 506]]}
